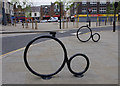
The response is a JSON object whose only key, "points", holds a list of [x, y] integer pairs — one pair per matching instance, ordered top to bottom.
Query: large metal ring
{"points": [[83, 33], [44, 76]]}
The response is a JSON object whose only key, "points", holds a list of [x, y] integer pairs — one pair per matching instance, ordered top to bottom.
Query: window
{"points": [[84, 3], [93, 3], [102, 3], [75, 5], [84, 10], [94, 10], [102, 10], [35, 14]]}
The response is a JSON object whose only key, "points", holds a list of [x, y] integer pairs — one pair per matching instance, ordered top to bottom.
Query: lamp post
{"points": [[89, 11], [60, 14], [4, 16], [114, 22]]}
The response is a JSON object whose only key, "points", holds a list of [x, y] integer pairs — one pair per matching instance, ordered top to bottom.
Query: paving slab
{"points": [[47, 56]]}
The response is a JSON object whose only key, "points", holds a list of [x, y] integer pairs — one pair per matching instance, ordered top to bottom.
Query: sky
{"points": [[40, 2], [48, 2]]}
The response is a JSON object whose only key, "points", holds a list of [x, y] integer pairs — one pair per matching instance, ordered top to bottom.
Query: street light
{"points": [[89, 11], [60, 14], [4, 21], [114, 22]]}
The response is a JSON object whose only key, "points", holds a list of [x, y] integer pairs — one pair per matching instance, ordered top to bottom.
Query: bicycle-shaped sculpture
{"points": [[86, 34], [66, 60]]}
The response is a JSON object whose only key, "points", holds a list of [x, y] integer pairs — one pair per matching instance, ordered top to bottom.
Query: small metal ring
{"points": [[94, 39], [78, 73]]}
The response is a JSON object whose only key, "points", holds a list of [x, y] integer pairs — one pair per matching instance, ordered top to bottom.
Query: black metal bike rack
{"points": [[91, 35], [66, 60]]}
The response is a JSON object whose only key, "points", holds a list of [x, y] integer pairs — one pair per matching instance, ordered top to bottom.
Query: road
{"points": [[16, 42]]}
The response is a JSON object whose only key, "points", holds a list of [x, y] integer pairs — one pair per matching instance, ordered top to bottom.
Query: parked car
{"points": [[53, 19], [43, 21]]}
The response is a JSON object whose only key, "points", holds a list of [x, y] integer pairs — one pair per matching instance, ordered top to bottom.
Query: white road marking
{"points": [[63, 31], [75, 33]]}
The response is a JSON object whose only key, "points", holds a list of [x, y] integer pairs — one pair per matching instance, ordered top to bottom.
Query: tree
{"points": [[25, 5], [118, 8], [108, 11]]}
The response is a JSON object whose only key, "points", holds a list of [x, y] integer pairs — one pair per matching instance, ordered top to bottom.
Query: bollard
{"points": [[111, 21], [15, 22], [99, 22], [105, 22], [89, 23], [96, 23], [23, 24], [27, 24], [35, 24], [67, 24], [73, 24], [76, 24], [32, 25], [63, 25]]}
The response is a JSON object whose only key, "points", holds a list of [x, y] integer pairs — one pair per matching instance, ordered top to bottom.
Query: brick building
{"points": [[52, 10], [99, 10], [19, 13]]}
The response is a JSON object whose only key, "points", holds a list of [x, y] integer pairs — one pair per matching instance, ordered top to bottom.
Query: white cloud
{"points": [[39, 2]]}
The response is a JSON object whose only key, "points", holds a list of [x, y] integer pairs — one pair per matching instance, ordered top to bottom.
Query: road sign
{"points": [[89, 10]]}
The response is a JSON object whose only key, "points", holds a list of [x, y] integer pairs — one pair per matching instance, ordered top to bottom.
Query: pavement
{"points": [[41, 27], [47, 56]]}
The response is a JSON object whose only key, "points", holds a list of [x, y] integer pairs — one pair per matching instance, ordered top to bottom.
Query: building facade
{"points": [[52, 10], [99, 10], [0, 12], [7, 12], [35, 12], [19, 13]]}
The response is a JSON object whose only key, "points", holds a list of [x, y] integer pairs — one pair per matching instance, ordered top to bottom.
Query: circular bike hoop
{"points": [[83, 33], [91, 35], [94, 39], [78, 73], [45, 76]]}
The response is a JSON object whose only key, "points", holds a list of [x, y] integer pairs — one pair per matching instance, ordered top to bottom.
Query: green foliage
{"points": [[22, 4], [118, 8], [108, 9]]}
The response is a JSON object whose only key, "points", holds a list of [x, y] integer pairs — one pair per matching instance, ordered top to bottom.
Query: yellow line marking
{"points": [[87, 33], [30, 45], [17, 50], [12, 52]]}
